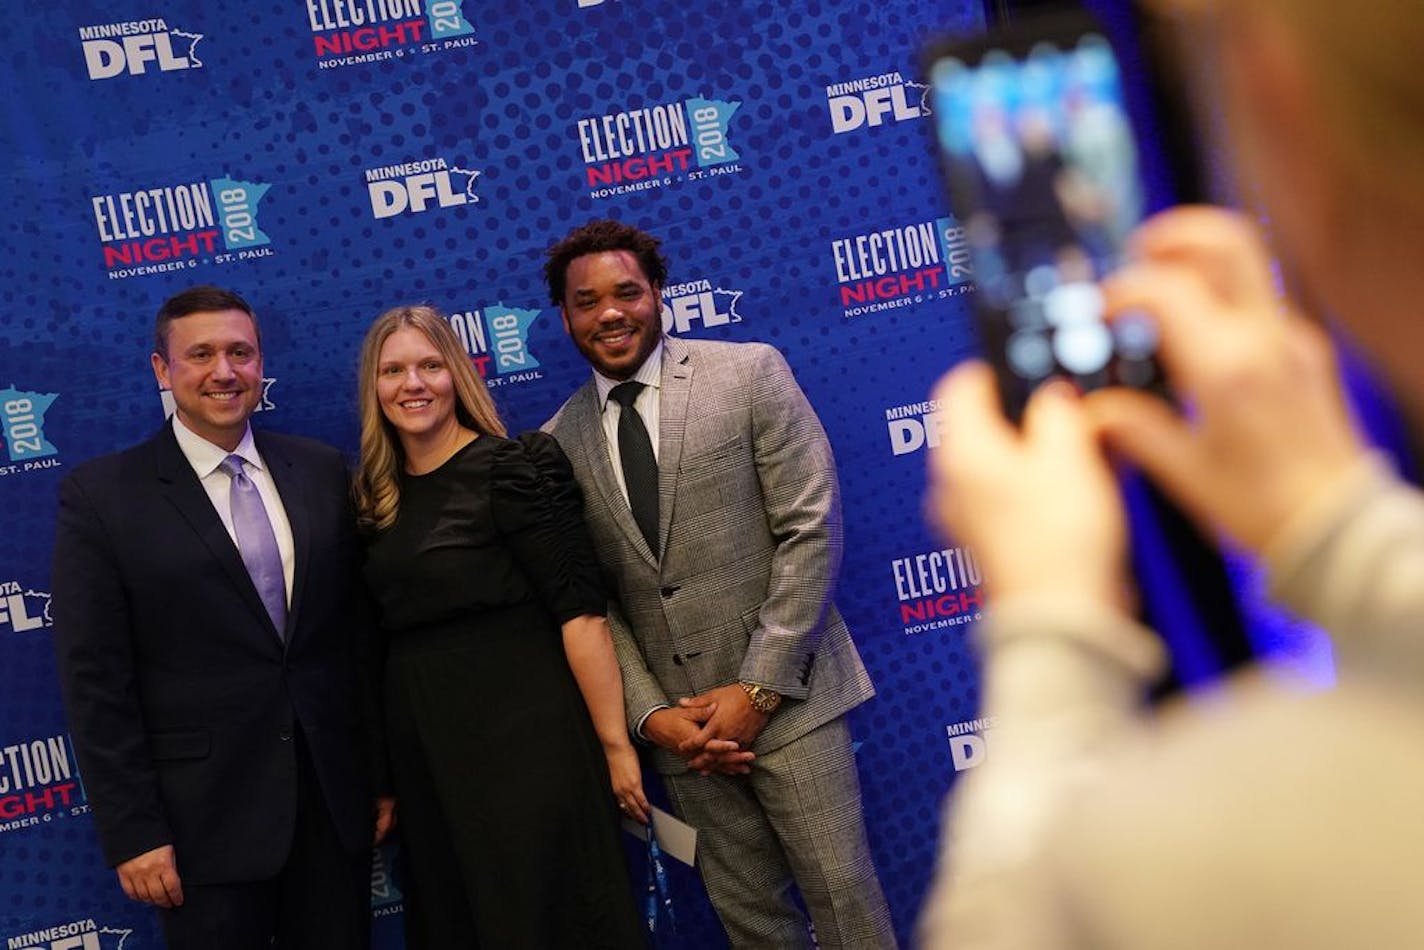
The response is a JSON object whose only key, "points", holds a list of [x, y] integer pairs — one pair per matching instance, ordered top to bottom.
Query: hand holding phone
{"points": [[1043, 169]]}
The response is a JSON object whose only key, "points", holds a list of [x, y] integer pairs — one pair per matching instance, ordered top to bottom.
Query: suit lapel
{"points": [[588, 423], [672, 423], [179, 484], [292, 490]]}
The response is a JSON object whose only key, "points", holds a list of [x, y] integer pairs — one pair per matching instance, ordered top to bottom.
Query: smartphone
{"points": [[1057, 134], [1045, 174]]}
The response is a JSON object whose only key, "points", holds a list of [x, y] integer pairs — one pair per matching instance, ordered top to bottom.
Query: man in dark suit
{"points": [[712, 498], [207, 619]]}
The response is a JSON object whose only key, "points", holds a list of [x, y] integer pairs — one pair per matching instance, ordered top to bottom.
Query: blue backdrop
{"points": [[331, 158]]}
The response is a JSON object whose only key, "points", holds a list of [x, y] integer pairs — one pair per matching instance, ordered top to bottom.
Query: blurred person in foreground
{"points": [[504, 706], [1256, 815]]}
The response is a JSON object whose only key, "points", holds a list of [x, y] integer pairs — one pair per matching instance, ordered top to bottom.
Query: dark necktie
{"points": [[640, 467], [256, 541]]}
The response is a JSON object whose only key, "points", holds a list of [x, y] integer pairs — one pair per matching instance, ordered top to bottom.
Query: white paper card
{"points": [[675, 838]]}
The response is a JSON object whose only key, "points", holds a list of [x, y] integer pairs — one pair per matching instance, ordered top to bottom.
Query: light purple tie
{"points": [[256, 541]]}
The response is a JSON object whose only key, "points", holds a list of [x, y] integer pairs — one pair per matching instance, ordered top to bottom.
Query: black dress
{"points": [[504, 803]]}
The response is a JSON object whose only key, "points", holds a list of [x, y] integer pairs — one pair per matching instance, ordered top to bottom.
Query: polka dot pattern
{"points": [[263, 108]]}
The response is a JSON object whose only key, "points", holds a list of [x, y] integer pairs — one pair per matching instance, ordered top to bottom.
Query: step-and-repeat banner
{"points": [[331, 158]]}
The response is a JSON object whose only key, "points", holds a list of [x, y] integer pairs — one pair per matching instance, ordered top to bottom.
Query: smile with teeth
{"points": [[615, 337], [223, 395], [415, 403]]}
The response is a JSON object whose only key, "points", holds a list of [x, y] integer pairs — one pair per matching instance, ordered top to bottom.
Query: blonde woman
{"points": [[504, 706], [1260, 816]]}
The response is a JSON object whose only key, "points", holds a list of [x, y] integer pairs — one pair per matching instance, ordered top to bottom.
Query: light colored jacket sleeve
{"points": [[797, 473], [1353, 562], [1065, 681], [1064, 684], [642, 696]]}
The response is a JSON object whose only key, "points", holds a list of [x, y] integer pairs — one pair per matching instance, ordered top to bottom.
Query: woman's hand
{"points": [[1267, 429], [1038, 505], [589, 648], [627, 776], [385, 818]]}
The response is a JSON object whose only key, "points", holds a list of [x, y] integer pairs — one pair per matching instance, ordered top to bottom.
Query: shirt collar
{"points": [[649, 374], [204, 456]]}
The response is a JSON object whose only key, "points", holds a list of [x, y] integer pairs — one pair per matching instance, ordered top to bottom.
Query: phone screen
{"points": [[1040, 126], [1043, 168]]}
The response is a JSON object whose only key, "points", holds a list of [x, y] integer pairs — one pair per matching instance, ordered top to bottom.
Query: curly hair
{"points": [[594, 238]]}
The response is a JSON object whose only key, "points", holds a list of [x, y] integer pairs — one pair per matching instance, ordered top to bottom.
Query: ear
{"points": [[1273, 83], [664, 312], [564, 316], [160, 370]]}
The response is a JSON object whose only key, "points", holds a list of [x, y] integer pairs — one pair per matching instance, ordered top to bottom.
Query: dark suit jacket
{"points": [[750, 529], [183, 702]]}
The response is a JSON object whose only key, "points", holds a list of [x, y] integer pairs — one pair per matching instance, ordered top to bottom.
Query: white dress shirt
{"points": [[647, 404], [205, 457]]}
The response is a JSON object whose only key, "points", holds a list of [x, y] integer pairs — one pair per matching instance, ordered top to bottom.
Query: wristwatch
{"points": [[763, 700]]}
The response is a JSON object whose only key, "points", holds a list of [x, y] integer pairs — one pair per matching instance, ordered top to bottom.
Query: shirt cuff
{"points": [[1286, 553], [1046, 654], [638, 730]]}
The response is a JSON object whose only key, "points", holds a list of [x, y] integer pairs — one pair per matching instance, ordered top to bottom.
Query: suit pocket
{"points": [[712, 460], [178, 745]]}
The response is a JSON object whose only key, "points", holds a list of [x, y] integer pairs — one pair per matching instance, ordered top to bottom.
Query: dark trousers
{"points": [[321, 897]]}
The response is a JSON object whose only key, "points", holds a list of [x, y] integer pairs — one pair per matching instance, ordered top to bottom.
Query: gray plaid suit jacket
{"points": [[751, 535]]}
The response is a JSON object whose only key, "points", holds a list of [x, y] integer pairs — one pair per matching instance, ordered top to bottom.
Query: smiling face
{"points": [[612, 312], [213, 366], [414, 386]]}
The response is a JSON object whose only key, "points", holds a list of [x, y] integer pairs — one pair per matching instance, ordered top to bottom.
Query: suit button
{"points": [[669, 591], [286, 735]]}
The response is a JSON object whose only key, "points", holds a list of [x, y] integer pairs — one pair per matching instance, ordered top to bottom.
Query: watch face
{"points": [[763, 700]]}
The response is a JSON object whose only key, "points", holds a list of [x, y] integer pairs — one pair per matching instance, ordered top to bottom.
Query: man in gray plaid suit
{"points": [[711, 495]]}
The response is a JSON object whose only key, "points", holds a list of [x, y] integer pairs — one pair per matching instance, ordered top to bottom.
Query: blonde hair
{"points": [[1365, 58], [377, 483]]}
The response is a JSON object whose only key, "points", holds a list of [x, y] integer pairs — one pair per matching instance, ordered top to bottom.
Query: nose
{"points": [[222, 367], [412, 380]]}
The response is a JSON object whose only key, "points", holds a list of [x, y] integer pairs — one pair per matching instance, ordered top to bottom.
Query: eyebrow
{"points": [[621, 285], [205, 345], [428, 358]]}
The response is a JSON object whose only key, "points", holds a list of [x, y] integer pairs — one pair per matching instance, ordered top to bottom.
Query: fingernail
{"points": [[1059, 388]]}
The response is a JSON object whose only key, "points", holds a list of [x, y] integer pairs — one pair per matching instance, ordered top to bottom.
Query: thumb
{"points": [[1055, 416], [700, 713], [697, 740]]}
